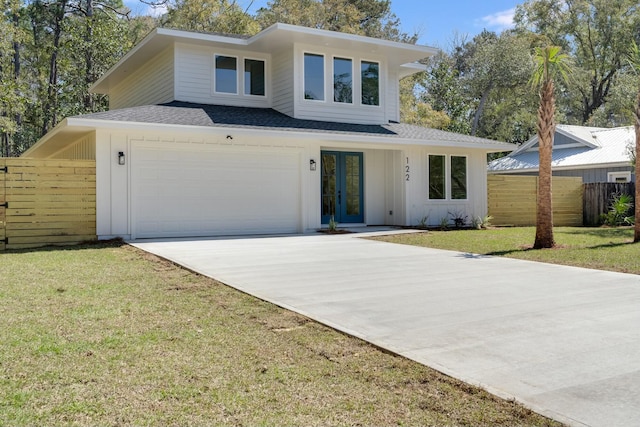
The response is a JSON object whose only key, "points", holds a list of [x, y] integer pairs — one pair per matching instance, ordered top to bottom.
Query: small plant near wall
{"points": [[459, 219], [423, 222], [444, 223], [481, 223], [333, 225]]}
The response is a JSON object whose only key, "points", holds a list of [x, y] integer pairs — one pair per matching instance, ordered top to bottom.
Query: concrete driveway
{"points": [[564, 341]]}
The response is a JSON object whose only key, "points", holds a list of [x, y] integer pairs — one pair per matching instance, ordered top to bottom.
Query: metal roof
{"points": [[594, 147]]}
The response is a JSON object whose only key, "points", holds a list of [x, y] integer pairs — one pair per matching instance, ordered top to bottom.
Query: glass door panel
{"points": [[342, 184]]}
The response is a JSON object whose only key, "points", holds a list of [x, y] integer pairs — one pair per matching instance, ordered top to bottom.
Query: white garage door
{"points": [[185, 191]]}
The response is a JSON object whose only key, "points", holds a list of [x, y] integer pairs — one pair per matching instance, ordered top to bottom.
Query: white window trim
{"points": [[238, 73], [353, 79], [324, 80], [242, 84], [380, 100], [446, 173], [612, 176], [466, 177], [447, 178]]}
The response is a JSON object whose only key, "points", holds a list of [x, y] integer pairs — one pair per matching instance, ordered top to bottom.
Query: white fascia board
{"points": [[154, 40], [136, 48], [428, 50], [411, 68], [300, 134], [45, 138], [562, 168]]}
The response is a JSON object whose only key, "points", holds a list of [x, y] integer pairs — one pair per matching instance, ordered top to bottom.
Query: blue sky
{"points": [[437, 21]]}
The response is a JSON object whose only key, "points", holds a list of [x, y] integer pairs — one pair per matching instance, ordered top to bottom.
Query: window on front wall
{"points": [[226, 74], [370, 75], [313, 77], [254, 78], [342, 80], [436, 177], [458, 178], [455, 180]]}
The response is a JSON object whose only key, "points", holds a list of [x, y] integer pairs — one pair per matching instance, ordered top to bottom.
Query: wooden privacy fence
{"points": [[598, 197], [512, 200], [46, 202]]}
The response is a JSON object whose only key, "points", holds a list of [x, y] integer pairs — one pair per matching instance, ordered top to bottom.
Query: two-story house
{"points": [[213, 134]]}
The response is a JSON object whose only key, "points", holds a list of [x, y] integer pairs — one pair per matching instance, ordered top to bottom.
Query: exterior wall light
{"points": [[121, 159], [312, 164]]}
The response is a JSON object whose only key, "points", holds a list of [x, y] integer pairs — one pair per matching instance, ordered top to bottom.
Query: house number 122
{"points": [[407, 169]]}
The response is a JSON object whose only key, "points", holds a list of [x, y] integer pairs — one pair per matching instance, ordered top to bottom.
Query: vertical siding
{"points": [[194, 77], [283, 82], [150, 84], [393, 99], [83, 149], [417, 190]]}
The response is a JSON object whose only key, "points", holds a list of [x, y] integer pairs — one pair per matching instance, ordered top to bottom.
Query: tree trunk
{"points": [[88, 57], [50, 109], [478, 113], [546, 129], [636, 227]]}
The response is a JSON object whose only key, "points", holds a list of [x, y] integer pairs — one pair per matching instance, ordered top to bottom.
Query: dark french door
{"points": [[342, 184]]}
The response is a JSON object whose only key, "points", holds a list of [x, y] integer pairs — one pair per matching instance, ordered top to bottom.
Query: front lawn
{"points": [[597, 248], [109, 335]]}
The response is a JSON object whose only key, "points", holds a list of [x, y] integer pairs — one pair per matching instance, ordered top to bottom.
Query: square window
{"points": [[226, 75], [254, 77], [313, 77]]}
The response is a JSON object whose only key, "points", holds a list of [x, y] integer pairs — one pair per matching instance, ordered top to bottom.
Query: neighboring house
{"points": [[275, 133], [595, 154]]}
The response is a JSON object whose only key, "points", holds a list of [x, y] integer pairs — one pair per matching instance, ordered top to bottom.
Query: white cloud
{"points": [[499, 20]]}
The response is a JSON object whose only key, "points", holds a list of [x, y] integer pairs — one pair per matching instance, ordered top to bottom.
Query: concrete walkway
{"points": [[564, 341]]}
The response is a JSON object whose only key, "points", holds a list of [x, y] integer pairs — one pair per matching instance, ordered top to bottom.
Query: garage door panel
{"points": [[191, 193]]}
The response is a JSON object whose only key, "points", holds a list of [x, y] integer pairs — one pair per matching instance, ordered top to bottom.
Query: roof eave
{"points": [[489, 147]]}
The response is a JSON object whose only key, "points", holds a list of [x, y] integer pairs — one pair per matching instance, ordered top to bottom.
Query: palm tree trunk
{"points": [[546, 129], [636, 227]]}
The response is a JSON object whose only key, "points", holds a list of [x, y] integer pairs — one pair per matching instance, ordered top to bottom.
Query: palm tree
{"points": [[634, 59], [549, 64]]}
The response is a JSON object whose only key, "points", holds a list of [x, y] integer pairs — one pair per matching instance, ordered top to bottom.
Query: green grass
{"points": [[598, 248], [109, 335]]}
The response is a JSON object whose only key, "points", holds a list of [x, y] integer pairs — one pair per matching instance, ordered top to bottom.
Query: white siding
{"points": [[194, 77], [150, 84], [283, 87], [393, 99], [328, 110], [82, 149], [418, 204]]}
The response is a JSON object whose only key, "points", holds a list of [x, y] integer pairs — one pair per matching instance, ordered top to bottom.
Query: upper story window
{"points": [[226, 74], [314, 76], [254, 77], [343, 80], [370, 82]]}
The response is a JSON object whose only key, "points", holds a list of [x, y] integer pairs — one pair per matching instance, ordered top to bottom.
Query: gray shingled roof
{"points": [[189, 114]]}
